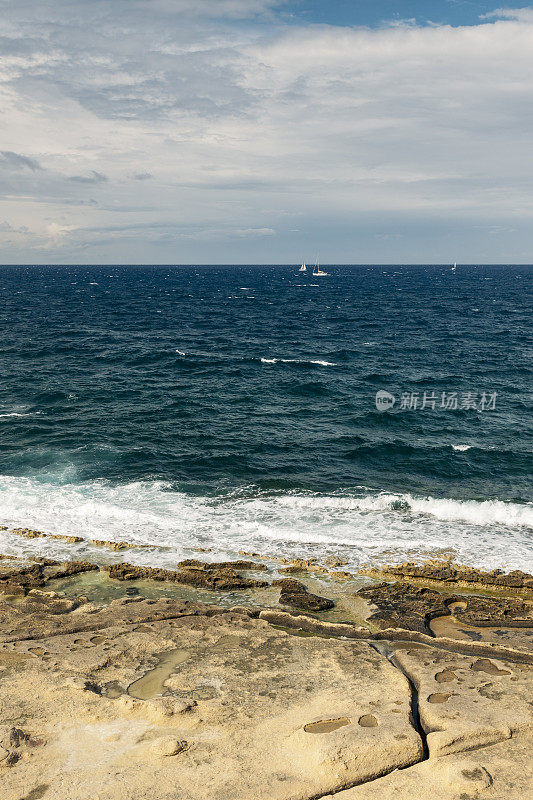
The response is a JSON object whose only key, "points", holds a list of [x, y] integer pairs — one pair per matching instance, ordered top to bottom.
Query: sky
{"points": [[264, 131]]}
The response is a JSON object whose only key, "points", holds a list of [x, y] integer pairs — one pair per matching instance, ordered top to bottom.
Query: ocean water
{"points": [[233, 408]]}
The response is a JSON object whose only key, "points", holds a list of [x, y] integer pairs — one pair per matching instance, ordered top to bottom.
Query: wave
{"points": [[297, 361], [19, 414], [461, 447], [475, 512], [360, 524]]}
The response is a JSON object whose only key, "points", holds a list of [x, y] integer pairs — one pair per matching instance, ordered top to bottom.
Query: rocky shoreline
{"points": [[412, 679]]}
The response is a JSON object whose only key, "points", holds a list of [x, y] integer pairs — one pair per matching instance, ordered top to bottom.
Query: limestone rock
{"points": [[448, 572], [222, 579], [306, 601], [403, 605], [485, 702], [264, 714], [167, 746], [499, 772]]}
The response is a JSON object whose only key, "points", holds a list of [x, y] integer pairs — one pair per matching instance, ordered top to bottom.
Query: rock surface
{"points": [[448, 572], [216, 577], [413, 607], [238, 692], [169, 699], [499, 772]]}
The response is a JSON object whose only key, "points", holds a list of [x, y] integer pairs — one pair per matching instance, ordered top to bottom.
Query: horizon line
{"points": [[276, 264]]}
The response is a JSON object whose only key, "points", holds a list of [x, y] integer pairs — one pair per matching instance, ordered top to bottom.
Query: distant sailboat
{"points": [[454, 266], [303, 268], [317, 271]]}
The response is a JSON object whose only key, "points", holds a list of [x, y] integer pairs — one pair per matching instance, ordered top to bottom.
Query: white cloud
{"points": [[521, 14], [421, 128], [57, 232]]}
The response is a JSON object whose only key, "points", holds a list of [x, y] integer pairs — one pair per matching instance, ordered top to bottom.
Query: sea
{"points": [[376, 414]]}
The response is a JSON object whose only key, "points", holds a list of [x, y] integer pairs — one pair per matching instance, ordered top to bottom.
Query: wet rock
{"points": [[28, 533], [66, 538], [116, 546], [335, 561], [46, 562], [220, 565], [301, 565], [69, 568], [448, 572], [214, 579], [223, 579], [19, 580], [289, 585], [294, 593], [305, 601], [406, 605]]}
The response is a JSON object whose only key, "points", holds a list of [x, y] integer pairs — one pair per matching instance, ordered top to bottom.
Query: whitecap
{"points": [[298, 361], [19, 414], [461, 447], [358, 523]]}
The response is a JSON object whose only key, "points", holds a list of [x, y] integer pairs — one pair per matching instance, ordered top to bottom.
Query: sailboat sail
{"points": [[317, 271]]}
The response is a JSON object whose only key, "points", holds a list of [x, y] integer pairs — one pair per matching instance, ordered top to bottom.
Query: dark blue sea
{"points": [[234, 408]]}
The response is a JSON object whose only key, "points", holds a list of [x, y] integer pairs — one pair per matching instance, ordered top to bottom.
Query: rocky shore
{"points": [[122, 681]]}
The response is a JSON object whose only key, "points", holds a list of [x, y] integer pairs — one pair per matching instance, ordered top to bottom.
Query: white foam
{"points": [[297, 361], [19, 414], [461, 447], [362, 525]]}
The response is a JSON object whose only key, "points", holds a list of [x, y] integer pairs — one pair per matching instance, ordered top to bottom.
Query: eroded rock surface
{"points": [[448, 572], [215, 577], [405, 605], [168, 699], [466, 702], [241, 710], [497, 772]]}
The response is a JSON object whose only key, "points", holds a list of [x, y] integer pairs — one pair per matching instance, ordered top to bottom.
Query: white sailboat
{"points": [[454, 266], [303, 268], [317, 271]]}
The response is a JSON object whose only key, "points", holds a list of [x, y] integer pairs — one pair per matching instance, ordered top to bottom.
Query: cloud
{"points": [[520, 14], [229, 120], [18, 161], [93, 177], [6, 227], [56, 233]]}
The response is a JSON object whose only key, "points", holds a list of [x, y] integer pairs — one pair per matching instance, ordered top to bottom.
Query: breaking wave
{"points": [[297, 361], [364, 526]]}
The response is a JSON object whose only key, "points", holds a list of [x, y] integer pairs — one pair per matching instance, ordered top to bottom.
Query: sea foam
{"points": [[361, 525]]}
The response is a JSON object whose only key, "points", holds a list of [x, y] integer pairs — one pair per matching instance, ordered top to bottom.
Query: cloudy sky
{"points": [[263, 131]]}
